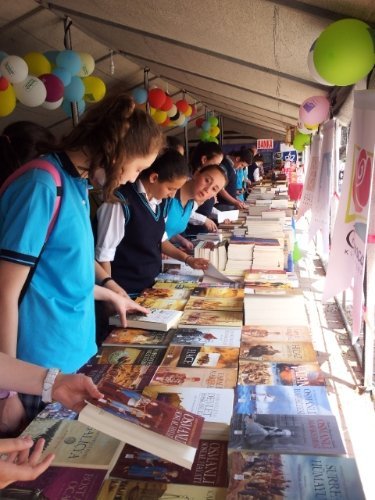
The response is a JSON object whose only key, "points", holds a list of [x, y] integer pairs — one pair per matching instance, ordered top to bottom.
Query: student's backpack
{"points": [[49, 167]]}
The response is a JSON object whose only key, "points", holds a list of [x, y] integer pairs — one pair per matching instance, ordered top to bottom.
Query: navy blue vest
{"points": [[231, 186], [138, 256]]}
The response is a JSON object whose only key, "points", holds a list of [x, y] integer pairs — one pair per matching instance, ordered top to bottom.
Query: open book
{"points": [[154, 426]]}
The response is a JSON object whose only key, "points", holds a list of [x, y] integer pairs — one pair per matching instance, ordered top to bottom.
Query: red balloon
{"points": [[4, 84], [54, 86], [156, 98], [167, 104], [182, 105], [193, 109], [166, 122], [199, 122]]}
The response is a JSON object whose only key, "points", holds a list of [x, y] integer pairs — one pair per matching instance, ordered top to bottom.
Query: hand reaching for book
{"points": [[210, 225], [198, 263], [73, 390], [18, 464]]}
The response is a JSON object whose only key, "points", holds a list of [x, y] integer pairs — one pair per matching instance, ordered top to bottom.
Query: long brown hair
{"points": [[111, 132]]}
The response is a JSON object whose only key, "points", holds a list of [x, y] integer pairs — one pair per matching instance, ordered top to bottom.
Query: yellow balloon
{"points": [[38, 63], [95, 89], [7, 101], [152, 111], [189, 111], [160, 116], [311, 127], [214, 131]]}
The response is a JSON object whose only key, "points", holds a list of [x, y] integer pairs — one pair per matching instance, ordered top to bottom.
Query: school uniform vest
{"points": [[231, 186], [204, 209], [138, 256]]}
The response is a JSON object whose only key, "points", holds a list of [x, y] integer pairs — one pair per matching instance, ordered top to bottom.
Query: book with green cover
{"points": [[75, 444]]}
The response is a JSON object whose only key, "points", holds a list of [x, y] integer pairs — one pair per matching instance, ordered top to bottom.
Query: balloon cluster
{"points": [[343, 53], [50, 80], [164, 111], [312, 112], [208, 129]]}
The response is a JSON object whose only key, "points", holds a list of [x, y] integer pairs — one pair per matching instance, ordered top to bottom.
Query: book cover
{"points": [[177, 278], [174, 285], [167, 292], [214, 292], [157, 303], [215, 304], [286, 310], [194, 317], [156, 319], [281, 333], [207, 336], [136, 337], [290, 352], [128, 355], [201, 357], [265, 372], [135, 377], [225, 378], [280, 399], [214, 405], [57, 411], [161, 429], [306, 434], [75, 444], [209, 467], [293, 477], [67, 483], [116, 489]]}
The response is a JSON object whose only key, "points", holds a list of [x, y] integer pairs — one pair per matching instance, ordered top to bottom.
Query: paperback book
{"points": [[177, 278], [174, 285], [167, 292], [214, 292], [157, 303], [214, 304], [286, 310], [196, 317], [156, 319], [281, 333], [206, 336], [136, 337], [289, 352], [128, 355], [201, 357], [265, 372], [135, 377], [224, 378], [280, 399], [214, 405], [57, 411], [154, 426], [306, 434], [75, 444], [209, 467], [293, 477], [67, 483], [115, 489]]}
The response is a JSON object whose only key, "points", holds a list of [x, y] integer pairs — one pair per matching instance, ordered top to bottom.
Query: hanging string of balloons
{"points": [[51, 80], [164, 111], [208, 129]]}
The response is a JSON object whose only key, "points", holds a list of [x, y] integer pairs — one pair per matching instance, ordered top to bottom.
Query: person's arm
{"points": [[232, 201], [178, 239], [175, 253], [118, 304], [20, 465]]}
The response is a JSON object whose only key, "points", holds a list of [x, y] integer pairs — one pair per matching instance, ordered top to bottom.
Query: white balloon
{"points": [[14, 69], [312, 69], [31, 92], [52, 105], [172, 111], [301, 128]]}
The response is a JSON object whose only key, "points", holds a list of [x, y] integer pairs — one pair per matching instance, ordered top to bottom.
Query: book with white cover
{"points": [[227, 215], [275, 310], [157, 319]]}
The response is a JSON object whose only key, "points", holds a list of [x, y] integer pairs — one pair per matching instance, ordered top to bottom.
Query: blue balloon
{"points": [[3, 55], [51, 55], [69, 60], [64, 75], [75, 90], [140, 95], [66, 106], [206, 126]]}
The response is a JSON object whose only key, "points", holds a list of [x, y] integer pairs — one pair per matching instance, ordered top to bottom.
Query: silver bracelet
{"points": [[48, 384]]}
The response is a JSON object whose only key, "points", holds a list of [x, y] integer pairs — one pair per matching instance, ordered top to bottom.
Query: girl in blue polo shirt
{"points": [[54, 326]]}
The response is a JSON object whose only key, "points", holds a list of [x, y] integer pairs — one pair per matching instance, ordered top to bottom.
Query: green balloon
{"points": [[344, 52], [213, 121], [204, 136], [300, 141]]}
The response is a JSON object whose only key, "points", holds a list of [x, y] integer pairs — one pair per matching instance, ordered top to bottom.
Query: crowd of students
{"points": [[49, 284]]}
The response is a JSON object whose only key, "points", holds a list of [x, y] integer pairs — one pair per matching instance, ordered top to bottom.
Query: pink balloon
{"points": [[54, 86], [314, 110]]}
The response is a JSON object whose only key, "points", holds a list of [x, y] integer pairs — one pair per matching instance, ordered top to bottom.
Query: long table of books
{"points": [[216, 394]]}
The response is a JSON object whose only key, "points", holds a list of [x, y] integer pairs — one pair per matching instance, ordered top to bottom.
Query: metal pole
{"points": [[68, 45], [146, 85], [186, 135], [221, 135]]}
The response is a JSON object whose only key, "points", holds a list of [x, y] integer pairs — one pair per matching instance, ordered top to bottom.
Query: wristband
{"points": [[187, 258], [108, 278], [48, 384], [7, 394]]}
